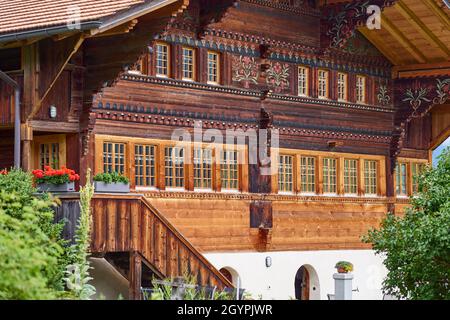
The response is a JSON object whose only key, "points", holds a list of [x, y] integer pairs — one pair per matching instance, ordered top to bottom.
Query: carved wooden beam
{"points": [[213, 11], [340, 20], [74, 44], [414, 98]]}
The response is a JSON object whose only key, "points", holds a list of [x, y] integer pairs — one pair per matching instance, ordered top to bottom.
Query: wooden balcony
{"points": [[136, 238]]}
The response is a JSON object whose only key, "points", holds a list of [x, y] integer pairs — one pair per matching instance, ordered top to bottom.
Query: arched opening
{"points": [[231, 275], [306, 284]]}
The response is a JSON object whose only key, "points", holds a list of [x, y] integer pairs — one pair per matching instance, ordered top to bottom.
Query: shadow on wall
{"points": [[109, 283], [306, 283]]}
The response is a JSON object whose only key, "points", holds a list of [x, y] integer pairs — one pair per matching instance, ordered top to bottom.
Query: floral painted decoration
{"points": [[245, 70], [278, 76], [55, 176]]}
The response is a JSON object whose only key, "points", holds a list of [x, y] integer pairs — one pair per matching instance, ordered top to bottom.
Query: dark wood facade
{"points": [[107, 89]]}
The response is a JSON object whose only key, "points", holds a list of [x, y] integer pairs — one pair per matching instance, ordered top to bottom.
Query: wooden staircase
{"points": [[134, 236]]}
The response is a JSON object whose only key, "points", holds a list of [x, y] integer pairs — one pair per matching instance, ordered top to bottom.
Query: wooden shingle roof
{"points": [[22, 15]]}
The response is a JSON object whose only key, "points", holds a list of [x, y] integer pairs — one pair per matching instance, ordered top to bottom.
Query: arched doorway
{"points": [[231, 275], [306, 284]]}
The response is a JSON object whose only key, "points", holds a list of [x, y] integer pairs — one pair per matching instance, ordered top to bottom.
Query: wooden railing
{"points": [[126, 223]]}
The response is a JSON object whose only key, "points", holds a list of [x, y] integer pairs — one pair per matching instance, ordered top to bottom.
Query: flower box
{"points": [[62, 187], [114, 187]]}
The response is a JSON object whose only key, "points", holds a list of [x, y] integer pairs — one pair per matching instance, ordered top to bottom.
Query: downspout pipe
{"points": [[15, 85]]}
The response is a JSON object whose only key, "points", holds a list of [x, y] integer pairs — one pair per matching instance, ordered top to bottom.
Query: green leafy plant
{"points": [[112, 177], [416, 246], [31, 248], [344, 266], [77, 272], [163, 290]]}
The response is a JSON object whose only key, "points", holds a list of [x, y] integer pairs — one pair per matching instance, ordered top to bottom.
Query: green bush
{"points": [[112, 177], [29, 263]]}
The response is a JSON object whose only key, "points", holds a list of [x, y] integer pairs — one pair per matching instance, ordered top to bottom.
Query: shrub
{"points": [[112, 177], [416, 246], [29, 262]]}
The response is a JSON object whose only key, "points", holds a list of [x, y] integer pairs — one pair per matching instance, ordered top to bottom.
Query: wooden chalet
{"points": [[105, 85]]}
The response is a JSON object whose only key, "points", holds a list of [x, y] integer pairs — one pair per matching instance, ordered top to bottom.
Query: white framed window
{"points": [[162, 59], [188, 64], [213, 67], [303, 78], [323, 84], [342, 86], [360, 89], [202, 168], [285, 173], [329, 175], [350, 176], [370, 177]]}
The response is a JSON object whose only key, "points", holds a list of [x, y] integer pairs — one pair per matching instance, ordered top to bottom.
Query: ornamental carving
{"points": [[342, 20], [245, 70], [277, 76], [383, 96]]}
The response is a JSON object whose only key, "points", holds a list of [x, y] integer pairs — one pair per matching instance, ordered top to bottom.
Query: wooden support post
{"points": [[135, 276]]}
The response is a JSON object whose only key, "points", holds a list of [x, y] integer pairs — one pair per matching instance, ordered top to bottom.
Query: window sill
{"points": [[175, 189]]}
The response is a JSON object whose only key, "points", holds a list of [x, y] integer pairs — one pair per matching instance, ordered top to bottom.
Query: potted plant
{"points": [[55, 180], [111, 183], [344, 267]]}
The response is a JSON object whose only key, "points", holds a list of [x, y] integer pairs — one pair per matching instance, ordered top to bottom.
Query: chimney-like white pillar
{"points": [[343, 286]]}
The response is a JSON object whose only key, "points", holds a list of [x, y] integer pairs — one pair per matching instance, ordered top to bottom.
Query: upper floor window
{"points": [[162, 60], [188, 64], [213, 67], [303, 78], [323, 84], [342, 86], [360, 89], [114, 157], [144, 162], [174, 167], [202, 168], [416, 171], [285, 173], [229, 174], [308, 174], [329, 175], [350, 176], [370, 176], [401, 179]]}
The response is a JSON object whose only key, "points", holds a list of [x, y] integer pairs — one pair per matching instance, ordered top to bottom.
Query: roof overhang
{"points": [[90, 28]]}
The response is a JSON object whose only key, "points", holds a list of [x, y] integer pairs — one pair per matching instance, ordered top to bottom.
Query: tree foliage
{"points": [[416, 247]]}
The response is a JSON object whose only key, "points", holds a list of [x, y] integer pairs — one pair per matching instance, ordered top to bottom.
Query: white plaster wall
{"points": [[277, 282]]}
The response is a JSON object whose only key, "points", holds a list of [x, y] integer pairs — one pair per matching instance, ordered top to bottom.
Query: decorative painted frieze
{"points": [[245, 70], [277, 76]]}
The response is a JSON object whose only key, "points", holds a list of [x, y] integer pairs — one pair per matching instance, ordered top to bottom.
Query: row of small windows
{"points": [[188, 63], [213, 74], [323, 85], [145, 161], [290, 169], [307, 175]]}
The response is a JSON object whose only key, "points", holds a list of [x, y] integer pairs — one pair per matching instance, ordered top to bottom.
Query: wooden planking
{"points": [[128, 224], [223, 225]]}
